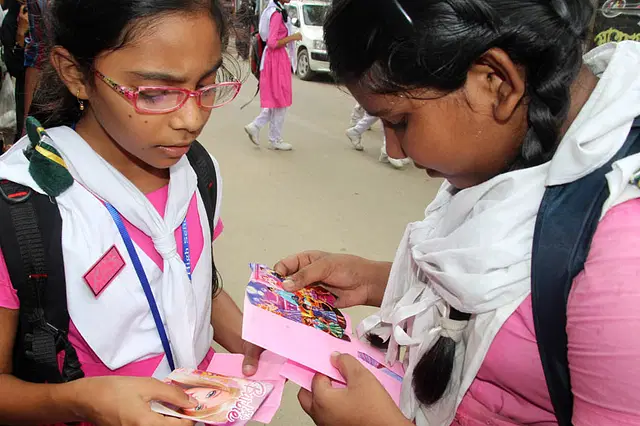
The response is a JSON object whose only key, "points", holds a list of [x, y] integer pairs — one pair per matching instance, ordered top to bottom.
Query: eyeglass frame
{"points": [[131, 94]]}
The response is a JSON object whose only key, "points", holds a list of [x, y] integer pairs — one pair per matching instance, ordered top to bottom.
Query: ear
{"points": [[68, 70], [494, 74]]}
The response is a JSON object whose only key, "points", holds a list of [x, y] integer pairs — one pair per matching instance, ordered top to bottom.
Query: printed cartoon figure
{"points": [[312, 306], [217, 397]]}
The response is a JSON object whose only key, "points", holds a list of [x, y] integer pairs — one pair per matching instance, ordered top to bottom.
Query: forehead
{"points": [[181, 43], [377, 104]]}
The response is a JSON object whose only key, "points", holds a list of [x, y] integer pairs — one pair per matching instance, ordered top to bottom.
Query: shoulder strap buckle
{"points": [[14, 193]]}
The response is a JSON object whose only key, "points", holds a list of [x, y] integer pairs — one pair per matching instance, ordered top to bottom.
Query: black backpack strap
{"points": [[202, 164], [566, 222], [31, 241]]}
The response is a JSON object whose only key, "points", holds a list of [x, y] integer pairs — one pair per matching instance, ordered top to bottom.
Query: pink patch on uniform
{"points": [[105, 270]]}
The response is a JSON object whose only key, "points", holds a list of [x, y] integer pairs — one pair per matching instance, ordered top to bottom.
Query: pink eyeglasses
{"points": [[164, 99]]}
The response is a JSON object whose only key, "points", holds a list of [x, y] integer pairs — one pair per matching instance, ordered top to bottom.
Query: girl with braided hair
{"points": [[496, 98]]}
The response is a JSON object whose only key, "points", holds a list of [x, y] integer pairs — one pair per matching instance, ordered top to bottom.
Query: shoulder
{"points": [[614, 256], [602, 320]]}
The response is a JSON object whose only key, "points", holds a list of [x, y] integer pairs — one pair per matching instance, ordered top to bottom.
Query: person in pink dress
{"points": [[275, 75]]}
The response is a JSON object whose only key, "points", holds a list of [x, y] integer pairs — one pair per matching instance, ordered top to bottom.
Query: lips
{"points": [[175, 151]]}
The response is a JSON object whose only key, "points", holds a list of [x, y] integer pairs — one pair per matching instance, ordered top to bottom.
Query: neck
{"points": [[581, 90], [146, 178]]}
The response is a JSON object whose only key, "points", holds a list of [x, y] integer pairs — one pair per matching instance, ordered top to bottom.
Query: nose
{"points": [[190, 117], [394, 147]]}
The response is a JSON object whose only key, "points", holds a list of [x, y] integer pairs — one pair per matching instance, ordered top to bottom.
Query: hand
{"points": [[23, 19], [296, 37], [355, 280], [251, 358], [114, 401], [363, 402]]}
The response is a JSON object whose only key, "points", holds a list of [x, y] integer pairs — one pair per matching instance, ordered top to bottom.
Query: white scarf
{"points": [[108, 184], [473, 249]]}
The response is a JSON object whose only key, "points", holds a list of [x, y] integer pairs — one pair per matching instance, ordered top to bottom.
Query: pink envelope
{"points": [[306, 329], [268, 370]]}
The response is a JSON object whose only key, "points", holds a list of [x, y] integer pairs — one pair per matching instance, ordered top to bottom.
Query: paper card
{"points": [[306, 328], [269, 370], [222, 400]]}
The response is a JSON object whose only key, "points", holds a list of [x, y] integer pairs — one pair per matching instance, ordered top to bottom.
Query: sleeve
{"points": [[274, 26], [218, 227], [8, 294], [603, 324]]}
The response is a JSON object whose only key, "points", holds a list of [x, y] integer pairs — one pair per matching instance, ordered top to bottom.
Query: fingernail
{"points": [[288, 284], [335, 355], [248, 370]]}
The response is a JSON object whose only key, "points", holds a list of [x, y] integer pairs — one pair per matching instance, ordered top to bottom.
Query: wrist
{"points": [[378, 282], [73, 396]]}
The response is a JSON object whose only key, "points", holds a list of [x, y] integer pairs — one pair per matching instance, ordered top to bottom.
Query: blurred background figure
{"points": [[245, 24], [14, 34], [278, 59], [361, 121]]}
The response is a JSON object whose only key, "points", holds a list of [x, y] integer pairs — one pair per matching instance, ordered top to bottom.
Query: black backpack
{"points": [[566, 222], [30, 237]]}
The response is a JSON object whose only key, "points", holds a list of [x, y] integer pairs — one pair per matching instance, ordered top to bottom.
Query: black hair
{"points": [[89, 28], [545, 37], [432, 44]]}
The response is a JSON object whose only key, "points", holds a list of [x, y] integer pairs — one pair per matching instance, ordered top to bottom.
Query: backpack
{"points": [[257, 50], [566, 222], [30, 237]]}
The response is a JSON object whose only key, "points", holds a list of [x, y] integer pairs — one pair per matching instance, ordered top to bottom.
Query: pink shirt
{"points": [[603, 326], [91, 364]]}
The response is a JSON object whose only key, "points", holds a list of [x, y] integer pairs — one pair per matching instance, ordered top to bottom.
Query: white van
{"points": [[308, 16]]}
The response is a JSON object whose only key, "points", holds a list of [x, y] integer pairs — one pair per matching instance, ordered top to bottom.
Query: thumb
{"points": [[313, 273], [251, 359], [348, 366], [163, 392]]}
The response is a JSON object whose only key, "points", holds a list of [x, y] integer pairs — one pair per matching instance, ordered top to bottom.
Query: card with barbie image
{"points": [[221, 400]]}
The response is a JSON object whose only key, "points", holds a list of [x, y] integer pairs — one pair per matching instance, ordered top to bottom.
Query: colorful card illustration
{"points": [[311, 306], [305, 328], [221, 400]]}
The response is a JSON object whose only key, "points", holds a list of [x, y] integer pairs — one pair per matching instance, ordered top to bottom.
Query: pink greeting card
{"points": [[306, 328], [269, 370], [221, 400]]}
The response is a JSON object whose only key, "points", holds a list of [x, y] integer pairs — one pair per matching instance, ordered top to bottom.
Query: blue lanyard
{"points": [[144, 281]]}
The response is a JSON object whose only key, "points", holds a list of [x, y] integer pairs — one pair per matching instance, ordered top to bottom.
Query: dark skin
{"points": [[467, 137], [142, 148]]}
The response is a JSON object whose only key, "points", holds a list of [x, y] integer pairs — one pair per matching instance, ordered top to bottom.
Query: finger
{"points": [[292, 264], [315, 272], [251, 359], [348, 366], [320, 385], [163, 392], [306, 400], [174, 421]]}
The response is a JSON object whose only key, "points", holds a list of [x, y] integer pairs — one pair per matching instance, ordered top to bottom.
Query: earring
{"points": [[80, 101]]}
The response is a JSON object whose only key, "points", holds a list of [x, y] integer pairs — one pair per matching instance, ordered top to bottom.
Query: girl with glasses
{"points": [[129, 86], [496, 98]]}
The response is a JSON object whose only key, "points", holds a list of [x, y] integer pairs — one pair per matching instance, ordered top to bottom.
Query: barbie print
{"points": [[221, 400]]}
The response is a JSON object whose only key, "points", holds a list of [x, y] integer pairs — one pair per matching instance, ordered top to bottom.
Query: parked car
{"points": [[308, 17]]}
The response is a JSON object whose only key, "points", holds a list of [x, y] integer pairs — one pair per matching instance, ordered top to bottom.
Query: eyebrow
{"points": [[170, 78]]}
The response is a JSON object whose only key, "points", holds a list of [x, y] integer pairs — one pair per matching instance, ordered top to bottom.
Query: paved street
{"points": [[323, 195]]}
